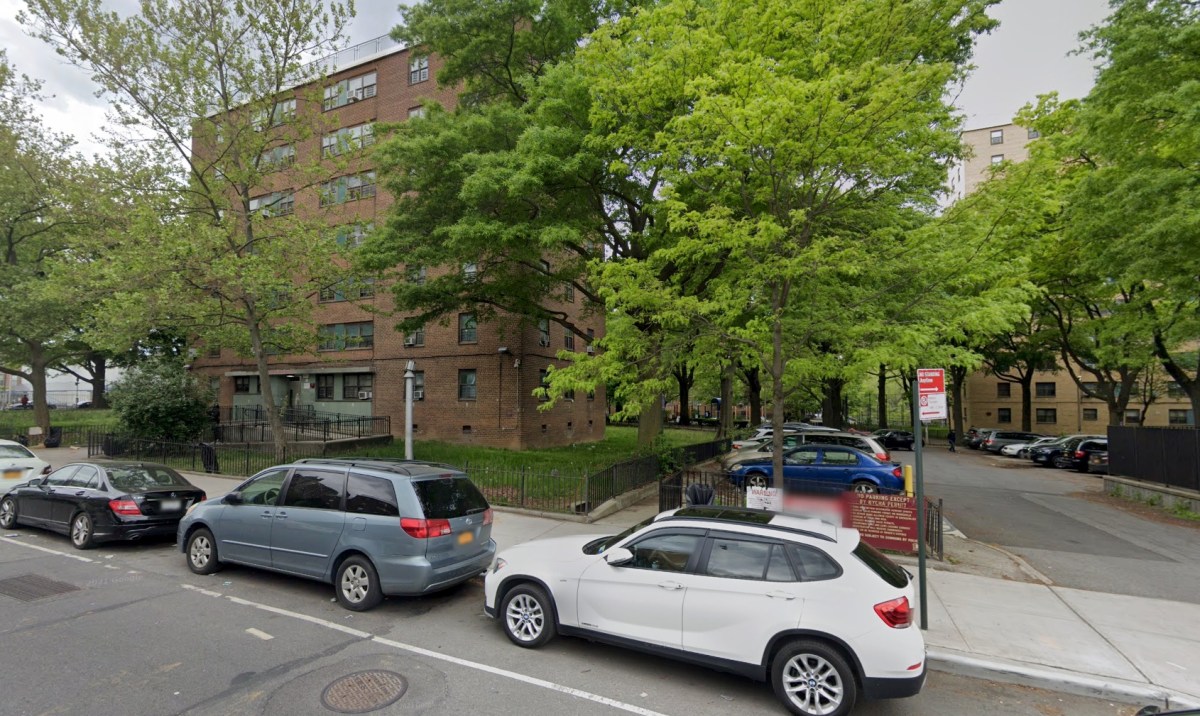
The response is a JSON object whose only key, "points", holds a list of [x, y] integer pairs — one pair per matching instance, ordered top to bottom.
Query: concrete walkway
{"points": [[1132, 649]]}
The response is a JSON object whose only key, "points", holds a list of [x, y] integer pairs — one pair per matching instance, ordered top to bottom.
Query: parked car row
{"points": [[757, 450], [1083, 453], [805, 605]]}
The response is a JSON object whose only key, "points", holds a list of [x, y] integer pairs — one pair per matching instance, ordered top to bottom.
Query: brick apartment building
{"points": [[474, 380], [1058, 405]]}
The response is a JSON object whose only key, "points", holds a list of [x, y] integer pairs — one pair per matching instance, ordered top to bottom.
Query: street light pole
{"points": [[409, 376]]}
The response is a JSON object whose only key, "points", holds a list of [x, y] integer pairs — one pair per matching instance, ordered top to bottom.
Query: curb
{"points": [[1012, 672]]}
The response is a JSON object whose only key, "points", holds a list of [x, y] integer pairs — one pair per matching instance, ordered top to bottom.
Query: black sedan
{"points": [[898, 439], [102, 501]]}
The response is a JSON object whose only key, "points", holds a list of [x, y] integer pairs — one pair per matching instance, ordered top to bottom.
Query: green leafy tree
{"points": [[203, 113], [161, 399]]}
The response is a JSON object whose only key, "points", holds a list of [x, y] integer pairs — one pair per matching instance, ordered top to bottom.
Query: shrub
{"points": [[160, 399]]}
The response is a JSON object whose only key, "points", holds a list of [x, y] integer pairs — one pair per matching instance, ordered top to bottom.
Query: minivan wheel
{"points": [[865, 487], [8, 513], [82, 532], [202, 552], [357, 584], [528, 616], [813, 679]]}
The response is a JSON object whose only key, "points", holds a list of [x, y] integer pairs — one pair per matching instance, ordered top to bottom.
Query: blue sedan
{"points": [[823, 467]]}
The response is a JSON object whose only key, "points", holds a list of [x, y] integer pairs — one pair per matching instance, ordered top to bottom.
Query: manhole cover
{"points": [[29, 587], [364, 691]]}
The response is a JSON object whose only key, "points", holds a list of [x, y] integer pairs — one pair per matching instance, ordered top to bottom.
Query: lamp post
{"points": [[409, 376]]}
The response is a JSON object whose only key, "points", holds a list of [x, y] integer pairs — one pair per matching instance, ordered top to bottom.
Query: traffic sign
{"points": [[931, 391]]}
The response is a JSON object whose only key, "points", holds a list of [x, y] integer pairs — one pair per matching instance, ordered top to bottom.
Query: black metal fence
{"points": [[248, 423], [1167, 456], [226, 458], [639, 472], [548, 491], [934, 535]]}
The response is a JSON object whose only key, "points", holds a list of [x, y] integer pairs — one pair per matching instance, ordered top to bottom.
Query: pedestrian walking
{"points": [[952, 437]]}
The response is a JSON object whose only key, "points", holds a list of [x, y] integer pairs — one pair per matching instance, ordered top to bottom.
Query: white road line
{"points": [[68, 555], [205, 592], [260, 634], [531, 680]]}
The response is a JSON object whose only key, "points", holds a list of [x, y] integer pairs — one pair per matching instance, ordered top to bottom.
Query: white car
{"points": [[1021, 449], [18, 464], [799, 602]]}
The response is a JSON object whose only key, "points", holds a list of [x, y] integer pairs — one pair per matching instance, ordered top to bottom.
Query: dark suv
{"points": [[1079, 458], [370, 526]]}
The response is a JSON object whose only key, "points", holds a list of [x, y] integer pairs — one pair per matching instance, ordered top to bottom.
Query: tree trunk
{"points": [[99, 370], [958, 376], [685, 379], [37, 381], [754, 393], [268, 395], [881, 395], [1027, 402], [777, 404], [831, 406], [650, 422], [725, 426]]}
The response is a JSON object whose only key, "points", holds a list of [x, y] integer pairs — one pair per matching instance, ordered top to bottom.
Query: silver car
{"points": [[866, 443], [370, 526]]}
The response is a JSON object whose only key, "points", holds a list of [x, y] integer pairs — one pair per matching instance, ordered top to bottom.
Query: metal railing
{"points": [[248, 423], [242, 459], [530, 489], [934, 536]]}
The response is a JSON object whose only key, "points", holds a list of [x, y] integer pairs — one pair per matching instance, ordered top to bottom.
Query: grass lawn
{"points": [[18, 422], [619, 444]]}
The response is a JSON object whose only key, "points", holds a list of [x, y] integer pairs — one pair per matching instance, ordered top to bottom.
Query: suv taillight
{"points": [[124, 507], [424, 529], [896, 613]]}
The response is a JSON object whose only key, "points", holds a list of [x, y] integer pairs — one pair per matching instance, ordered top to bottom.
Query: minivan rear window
{"points": [[371, 496], [445, 498], [879, 563]]}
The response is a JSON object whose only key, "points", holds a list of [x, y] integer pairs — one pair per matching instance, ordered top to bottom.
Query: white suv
{"points": [[795, 600]]}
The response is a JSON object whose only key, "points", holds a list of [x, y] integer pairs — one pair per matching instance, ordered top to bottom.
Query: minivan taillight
{"points": [[124, 507], [487, 516], [425, 529], [896, 613]]}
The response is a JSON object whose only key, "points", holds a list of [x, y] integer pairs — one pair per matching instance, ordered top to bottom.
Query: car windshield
{"points": [[15, 451], [143, 478], [597, 546]]}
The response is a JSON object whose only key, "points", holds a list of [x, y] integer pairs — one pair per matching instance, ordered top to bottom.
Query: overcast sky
{"points": [[1026, 56]]}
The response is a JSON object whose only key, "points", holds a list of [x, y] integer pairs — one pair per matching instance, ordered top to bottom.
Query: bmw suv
{"points": [[370, 526], [795, 601]]}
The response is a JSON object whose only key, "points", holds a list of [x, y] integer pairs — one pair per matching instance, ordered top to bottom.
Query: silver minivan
{"points": [[371, 527]]}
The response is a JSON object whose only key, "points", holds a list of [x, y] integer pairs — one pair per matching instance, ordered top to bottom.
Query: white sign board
{"points": [[932, 406], [764, 498]]}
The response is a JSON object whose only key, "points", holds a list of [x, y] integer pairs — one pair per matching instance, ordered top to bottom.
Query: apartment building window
{"points": [[418, 70], [350, 90], [281, 112], [416, 112], [1033, 134], [997, 136], [347, 139], [277, 158], [997, 158], [348, 188], [280, 203], [351, 236], [470, 271], [416, 275], [348, 290], [570, 292], [467, 328], [544, 332], [347, 336], [415, 337], [568, 339], [213, 352], [247, 384], [544, 384], [418, 385], [466, 385], [357, 386], [324, 387], [1090, 388], [1003, 390], [1045, 390], [1175, 390], [1091, 414], [1004, 415], [1047, 416], [1133, 416], [1176, 416]]}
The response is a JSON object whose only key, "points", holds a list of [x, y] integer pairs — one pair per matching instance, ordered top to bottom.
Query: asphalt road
{"points": [[1041, 515], [138, 634]]}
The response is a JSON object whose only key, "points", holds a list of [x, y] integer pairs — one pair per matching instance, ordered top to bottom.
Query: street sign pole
{"points": [[920, 496]]}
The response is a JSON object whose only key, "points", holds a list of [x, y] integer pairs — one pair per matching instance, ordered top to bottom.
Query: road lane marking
{"points": [[60, 553], [260, 634], [531, 680]]}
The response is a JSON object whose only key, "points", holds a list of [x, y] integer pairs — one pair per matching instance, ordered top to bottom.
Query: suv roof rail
{"points": [[383, 463], [753, 518]]}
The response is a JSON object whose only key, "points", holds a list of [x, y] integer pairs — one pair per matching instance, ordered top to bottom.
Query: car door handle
{"points": [[81, 492], [266, 515], [281, 515], [670, 585], [781, 595]]}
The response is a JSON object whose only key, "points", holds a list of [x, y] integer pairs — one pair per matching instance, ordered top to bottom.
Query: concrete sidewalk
{"points": [[993, 618]]}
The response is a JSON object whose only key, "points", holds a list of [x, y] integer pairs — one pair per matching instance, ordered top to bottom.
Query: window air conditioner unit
{"points": [[410, 340], [543, 343], [591, 350], [418, 394], [364, 395]]}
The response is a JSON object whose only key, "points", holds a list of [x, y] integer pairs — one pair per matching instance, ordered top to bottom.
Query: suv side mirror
{"points": [[232, 498], [618, 557]]}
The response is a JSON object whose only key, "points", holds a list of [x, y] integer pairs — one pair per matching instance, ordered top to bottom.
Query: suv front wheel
{"points": [[528, 616], [811, 679]]}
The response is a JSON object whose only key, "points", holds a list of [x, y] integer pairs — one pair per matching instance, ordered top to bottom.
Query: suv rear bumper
{"points": [[877, 688]]}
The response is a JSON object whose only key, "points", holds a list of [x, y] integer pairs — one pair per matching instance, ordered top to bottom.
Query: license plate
{"points": [[12, 474], [171, 505], [465, 537]]}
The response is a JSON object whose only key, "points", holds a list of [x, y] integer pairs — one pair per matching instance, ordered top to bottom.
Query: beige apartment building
{"points": [[474, 380], [1058, 405]]}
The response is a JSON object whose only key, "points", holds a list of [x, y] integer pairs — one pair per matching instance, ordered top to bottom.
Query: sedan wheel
{"points": [[757, 479], [865, 487], [8, 513], [81, 531], [357, 584], [528, 616], [813, 680]]}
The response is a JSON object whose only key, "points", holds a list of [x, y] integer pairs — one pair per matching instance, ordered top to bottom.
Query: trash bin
{"points": [[53, 438], [208, 456], [698, 494]]}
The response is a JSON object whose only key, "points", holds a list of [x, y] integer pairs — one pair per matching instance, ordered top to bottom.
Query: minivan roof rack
{"points": [[383, 463]]}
